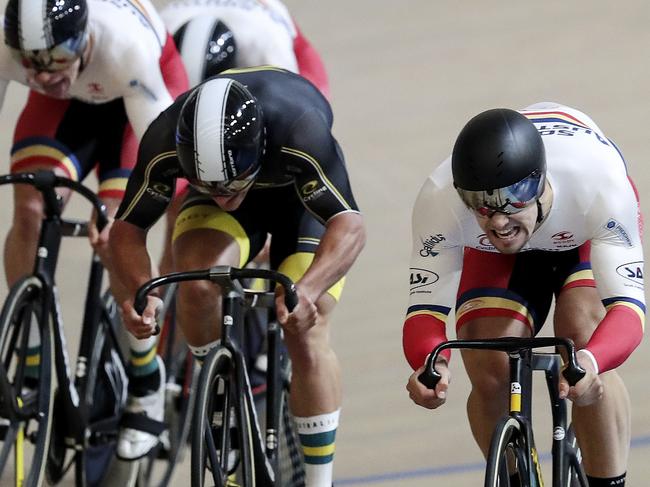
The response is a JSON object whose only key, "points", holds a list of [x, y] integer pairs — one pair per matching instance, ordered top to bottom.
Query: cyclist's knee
{"points": [[28, 214], [193, 294], [579, 326], [309, 350], [488, 372]]}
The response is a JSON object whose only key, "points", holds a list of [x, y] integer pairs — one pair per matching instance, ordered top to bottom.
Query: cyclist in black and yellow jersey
{"points": [[257, 147]]}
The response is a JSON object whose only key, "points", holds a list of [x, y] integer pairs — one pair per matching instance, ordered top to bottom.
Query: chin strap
{"points": [[540, 215]]}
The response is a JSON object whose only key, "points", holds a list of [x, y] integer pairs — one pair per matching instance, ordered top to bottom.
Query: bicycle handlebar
{"points": [[45, 182], [221, 275], [572, 373]]}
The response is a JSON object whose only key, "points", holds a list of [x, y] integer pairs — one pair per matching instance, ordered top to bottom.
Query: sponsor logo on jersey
{"points": [[95, 89], [569, 131], [309, 187], [160, 192], [314, 192], [619, 231], [562, 236], [563, 239], [484, 243], [429, 244], [632, 271], [421, 278]]}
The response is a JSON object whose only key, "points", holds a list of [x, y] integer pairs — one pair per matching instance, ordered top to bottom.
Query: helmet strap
{"points": [[540, 214]]}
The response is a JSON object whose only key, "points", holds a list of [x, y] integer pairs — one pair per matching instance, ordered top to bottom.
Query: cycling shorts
{"points": [[295, 233], [519, 286]]}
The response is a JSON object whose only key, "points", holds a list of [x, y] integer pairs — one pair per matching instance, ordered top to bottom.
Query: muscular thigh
{"points": [[205, 235]]}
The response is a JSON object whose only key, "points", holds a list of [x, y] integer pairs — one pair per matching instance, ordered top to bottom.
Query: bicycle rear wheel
{"points": [[27, 380], [105, 396], [221, 426], [506, 454], [291, 463]]}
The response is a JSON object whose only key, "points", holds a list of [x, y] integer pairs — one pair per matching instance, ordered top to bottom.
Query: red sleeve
{"points": [[310, 64], [421, 334], [616, 337]]}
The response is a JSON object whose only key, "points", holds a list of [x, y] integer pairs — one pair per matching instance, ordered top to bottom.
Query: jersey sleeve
{"points": [[310, 63], [146, 93], [316, 162], [152, 182], [617, 263], [435, 267]]}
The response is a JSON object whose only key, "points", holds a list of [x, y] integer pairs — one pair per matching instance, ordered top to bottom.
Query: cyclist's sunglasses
{"points": [[58, 58], [230, 188], [509, 200]]}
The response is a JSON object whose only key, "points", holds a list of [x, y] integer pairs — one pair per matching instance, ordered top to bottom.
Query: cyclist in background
{"points": [[215, 35], [98, 72], [257, 148], [532, 204]]}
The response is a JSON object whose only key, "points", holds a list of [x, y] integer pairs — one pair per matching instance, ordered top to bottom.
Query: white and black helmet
{"points": [[46, 35], [207, 47], [220, 137]]}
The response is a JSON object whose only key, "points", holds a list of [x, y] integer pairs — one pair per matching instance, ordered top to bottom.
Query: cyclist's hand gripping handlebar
{"points": [[45, 182], [221, 275], [572, 372]]}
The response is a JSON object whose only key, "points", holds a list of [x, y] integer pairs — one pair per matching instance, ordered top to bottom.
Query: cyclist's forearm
{"points": [[338, 249], [130, 258], [617, 335]]}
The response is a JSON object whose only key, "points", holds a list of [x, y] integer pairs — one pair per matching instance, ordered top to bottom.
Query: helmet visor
{"points": [[57, 58], [226, 188], [508, 200]]}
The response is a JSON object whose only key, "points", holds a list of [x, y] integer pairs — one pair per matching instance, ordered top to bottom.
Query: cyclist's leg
{"points": [[35, 147], [205, 236], [497, 297], [315, 398], [603, 428]]}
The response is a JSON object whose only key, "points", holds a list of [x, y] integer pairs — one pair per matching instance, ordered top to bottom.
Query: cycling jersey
{"points": [[264, 32], [127, 43], [300, 150], [593, 201]]}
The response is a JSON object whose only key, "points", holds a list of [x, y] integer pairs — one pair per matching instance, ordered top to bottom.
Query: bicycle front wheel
{"points": [[26, 351], [221, 427], [507, 454], [575, 476]]}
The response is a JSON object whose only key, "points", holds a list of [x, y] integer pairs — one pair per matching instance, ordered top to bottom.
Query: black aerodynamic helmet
{"points": [[46, 34], [207, 47], [220, 137], [499, 161]]}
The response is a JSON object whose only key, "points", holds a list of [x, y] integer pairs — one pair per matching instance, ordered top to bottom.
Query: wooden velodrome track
{"points": [[405, 77]]}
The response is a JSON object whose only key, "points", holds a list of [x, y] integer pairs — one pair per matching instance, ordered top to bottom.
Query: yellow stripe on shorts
{"points": [[212, 218], [297, 264]]}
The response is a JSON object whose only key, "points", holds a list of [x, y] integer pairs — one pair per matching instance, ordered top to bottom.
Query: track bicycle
{"points": [[81, 414], [227, 442], [512, 451]]}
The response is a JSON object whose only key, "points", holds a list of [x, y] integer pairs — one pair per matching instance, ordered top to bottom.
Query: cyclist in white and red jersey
{"points": [[215, 35], [99, 72], [532, 204]]}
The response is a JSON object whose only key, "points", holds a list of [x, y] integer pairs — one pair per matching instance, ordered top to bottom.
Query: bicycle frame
{"points": [[53, 229], [234, 301]]}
